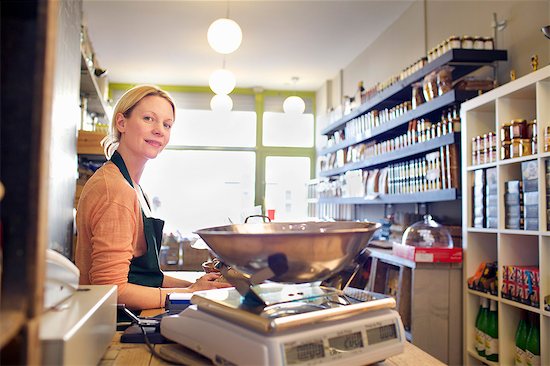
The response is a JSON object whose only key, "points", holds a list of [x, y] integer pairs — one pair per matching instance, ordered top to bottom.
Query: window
{"points": [[281, 129], [191, 190], [286, 191]]}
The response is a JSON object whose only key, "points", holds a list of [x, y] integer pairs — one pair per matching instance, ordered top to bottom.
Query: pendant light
{"points": [[224, 35], [222, 81], [221, 103], [294, 104]]}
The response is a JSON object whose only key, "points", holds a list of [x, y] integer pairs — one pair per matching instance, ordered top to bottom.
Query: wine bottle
{"points": [[480, 327], [491, 334], [521, 341], [532, 354]]}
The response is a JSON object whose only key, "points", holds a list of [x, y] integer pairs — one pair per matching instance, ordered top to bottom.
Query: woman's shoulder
{"points": [[107, 183]]}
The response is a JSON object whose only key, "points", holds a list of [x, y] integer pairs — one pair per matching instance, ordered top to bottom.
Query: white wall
{"points": [[427, 23]]}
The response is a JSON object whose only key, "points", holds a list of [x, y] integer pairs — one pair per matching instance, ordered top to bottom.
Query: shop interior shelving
{"points": [[464, 62], [89, 88], [525, 98]]}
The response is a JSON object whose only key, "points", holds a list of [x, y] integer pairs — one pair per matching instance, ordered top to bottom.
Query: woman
{"points": [[118, 239]]}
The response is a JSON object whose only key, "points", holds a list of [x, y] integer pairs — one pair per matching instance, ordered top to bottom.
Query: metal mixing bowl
{"points": [[296, 252]]}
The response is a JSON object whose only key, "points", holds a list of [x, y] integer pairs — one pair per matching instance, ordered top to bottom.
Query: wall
{"points": [[408, 39], [65, 119]]}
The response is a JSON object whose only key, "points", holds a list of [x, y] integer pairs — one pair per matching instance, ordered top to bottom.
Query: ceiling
{"points": [[164, 42]]}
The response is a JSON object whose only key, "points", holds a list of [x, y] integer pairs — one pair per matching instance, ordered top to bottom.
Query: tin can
{"points": [[505, 131], [505, 150]]}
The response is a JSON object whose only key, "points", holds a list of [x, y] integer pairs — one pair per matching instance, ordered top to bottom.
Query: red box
{"points": [[428, 255]]}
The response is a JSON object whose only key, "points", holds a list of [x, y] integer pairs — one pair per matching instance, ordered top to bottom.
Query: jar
{"points": [[454, 42], [467, 42], [479, 43], [488, 43], [518, 129], [531, 129], [505, 131], [547, 139], [492, 140], [525, 147], [534, 147], [516, 148], [505, 150], [492, 154]]}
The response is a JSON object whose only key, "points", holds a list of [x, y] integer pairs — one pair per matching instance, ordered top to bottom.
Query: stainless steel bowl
{"points": [[295, 252]]}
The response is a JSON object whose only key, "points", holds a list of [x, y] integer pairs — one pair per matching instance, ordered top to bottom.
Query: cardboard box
{"points": [[428, 255]]}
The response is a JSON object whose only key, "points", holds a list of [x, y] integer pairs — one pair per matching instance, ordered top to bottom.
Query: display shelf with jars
{"points": [[389, 141], [506, 198]]}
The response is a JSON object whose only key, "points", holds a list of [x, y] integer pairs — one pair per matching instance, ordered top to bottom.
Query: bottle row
{"points": [[418, 131], [434, 171], [527, 335]]}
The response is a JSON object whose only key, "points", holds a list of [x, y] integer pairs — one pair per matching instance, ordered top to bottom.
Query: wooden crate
{"points": [[89, 142]]}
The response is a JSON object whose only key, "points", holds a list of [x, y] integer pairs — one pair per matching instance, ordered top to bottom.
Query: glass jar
{"points": [[454, 42], [467, 42], [479, 43], [488, 43], [518, 129], [531, 129], [505, 131], [547, 139], [525, 147], [516, 148], [505, 150], [492, 154], [474, 157], [427, 234]]}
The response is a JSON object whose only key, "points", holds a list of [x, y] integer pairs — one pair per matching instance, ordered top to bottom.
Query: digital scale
{"points": [[297, 324]]}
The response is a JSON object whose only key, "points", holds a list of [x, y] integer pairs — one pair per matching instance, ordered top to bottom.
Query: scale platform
{"points": [[303, 324]]}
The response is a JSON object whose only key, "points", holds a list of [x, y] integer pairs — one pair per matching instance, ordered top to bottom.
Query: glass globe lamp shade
{"points": [[224, 35], [222, 81], [221, 103], [294, 105], [427, 234]]}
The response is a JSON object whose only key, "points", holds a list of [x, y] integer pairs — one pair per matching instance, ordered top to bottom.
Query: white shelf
{"points": [[525, 98]]}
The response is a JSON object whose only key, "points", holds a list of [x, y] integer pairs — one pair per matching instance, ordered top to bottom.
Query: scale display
{"points": [[381, 334], [346, 342], [304, 352]]}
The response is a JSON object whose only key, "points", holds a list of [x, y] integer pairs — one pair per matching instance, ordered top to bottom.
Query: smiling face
{"points": [[145, 130]]}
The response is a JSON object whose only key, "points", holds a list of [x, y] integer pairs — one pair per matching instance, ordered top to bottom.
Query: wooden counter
{"points": [[138, 354]]}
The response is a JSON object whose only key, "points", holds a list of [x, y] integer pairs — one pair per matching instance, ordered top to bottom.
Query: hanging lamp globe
{"points": [[224, 35], [222, 81], [221, 103], [294, 105]]}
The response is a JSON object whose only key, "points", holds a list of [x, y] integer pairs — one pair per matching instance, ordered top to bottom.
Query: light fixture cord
{"points": [[227, 8]]}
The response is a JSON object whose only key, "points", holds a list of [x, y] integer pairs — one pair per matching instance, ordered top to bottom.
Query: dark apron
{"points": [[144, 270]]}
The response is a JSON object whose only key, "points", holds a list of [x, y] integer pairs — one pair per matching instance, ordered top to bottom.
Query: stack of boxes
{"points": [[529, 175], [485, 203], [513, 205]]}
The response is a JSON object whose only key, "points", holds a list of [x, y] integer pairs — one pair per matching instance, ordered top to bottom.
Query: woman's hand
{"points": [[209, 281]]}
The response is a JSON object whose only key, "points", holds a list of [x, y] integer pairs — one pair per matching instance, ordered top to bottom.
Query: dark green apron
{"points": [[144, 270]]}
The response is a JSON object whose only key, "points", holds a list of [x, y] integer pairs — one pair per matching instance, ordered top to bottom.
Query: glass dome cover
{"points": [[427, 234]]}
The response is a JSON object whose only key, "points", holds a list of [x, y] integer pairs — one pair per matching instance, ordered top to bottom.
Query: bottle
{"points": [[480, 327], [491, 334], [521, 341], [532, 354]]}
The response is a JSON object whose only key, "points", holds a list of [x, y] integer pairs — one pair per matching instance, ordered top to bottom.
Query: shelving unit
{"points": [[464, 62], [90, 89], [527, 98]]}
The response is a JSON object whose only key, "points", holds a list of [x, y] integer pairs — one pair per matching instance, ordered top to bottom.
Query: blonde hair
{"points": [[125, 105]]}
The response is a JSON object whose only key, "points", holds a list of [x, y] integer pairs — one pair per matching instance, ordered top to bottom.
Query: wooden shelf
{"points": [[463, 60], [89, 142], [405, 152], [419, 197], [483, 294]]}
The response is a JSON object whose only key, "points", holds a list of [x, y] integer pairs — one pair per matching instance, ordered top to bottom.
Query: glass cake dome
{"points": [[427, 234]]}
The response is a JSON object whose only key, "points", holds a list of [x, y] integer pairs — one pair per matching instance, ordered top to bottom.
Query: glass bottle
{"points": [[480, 327], [491, 334], [521, 341], [532, 348]]}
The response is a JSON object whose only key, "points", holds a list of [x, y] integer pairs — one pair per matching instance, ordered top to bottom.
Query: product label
{"points": [[480, 341], [491, 346], [520, 357], [531, 359]]}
